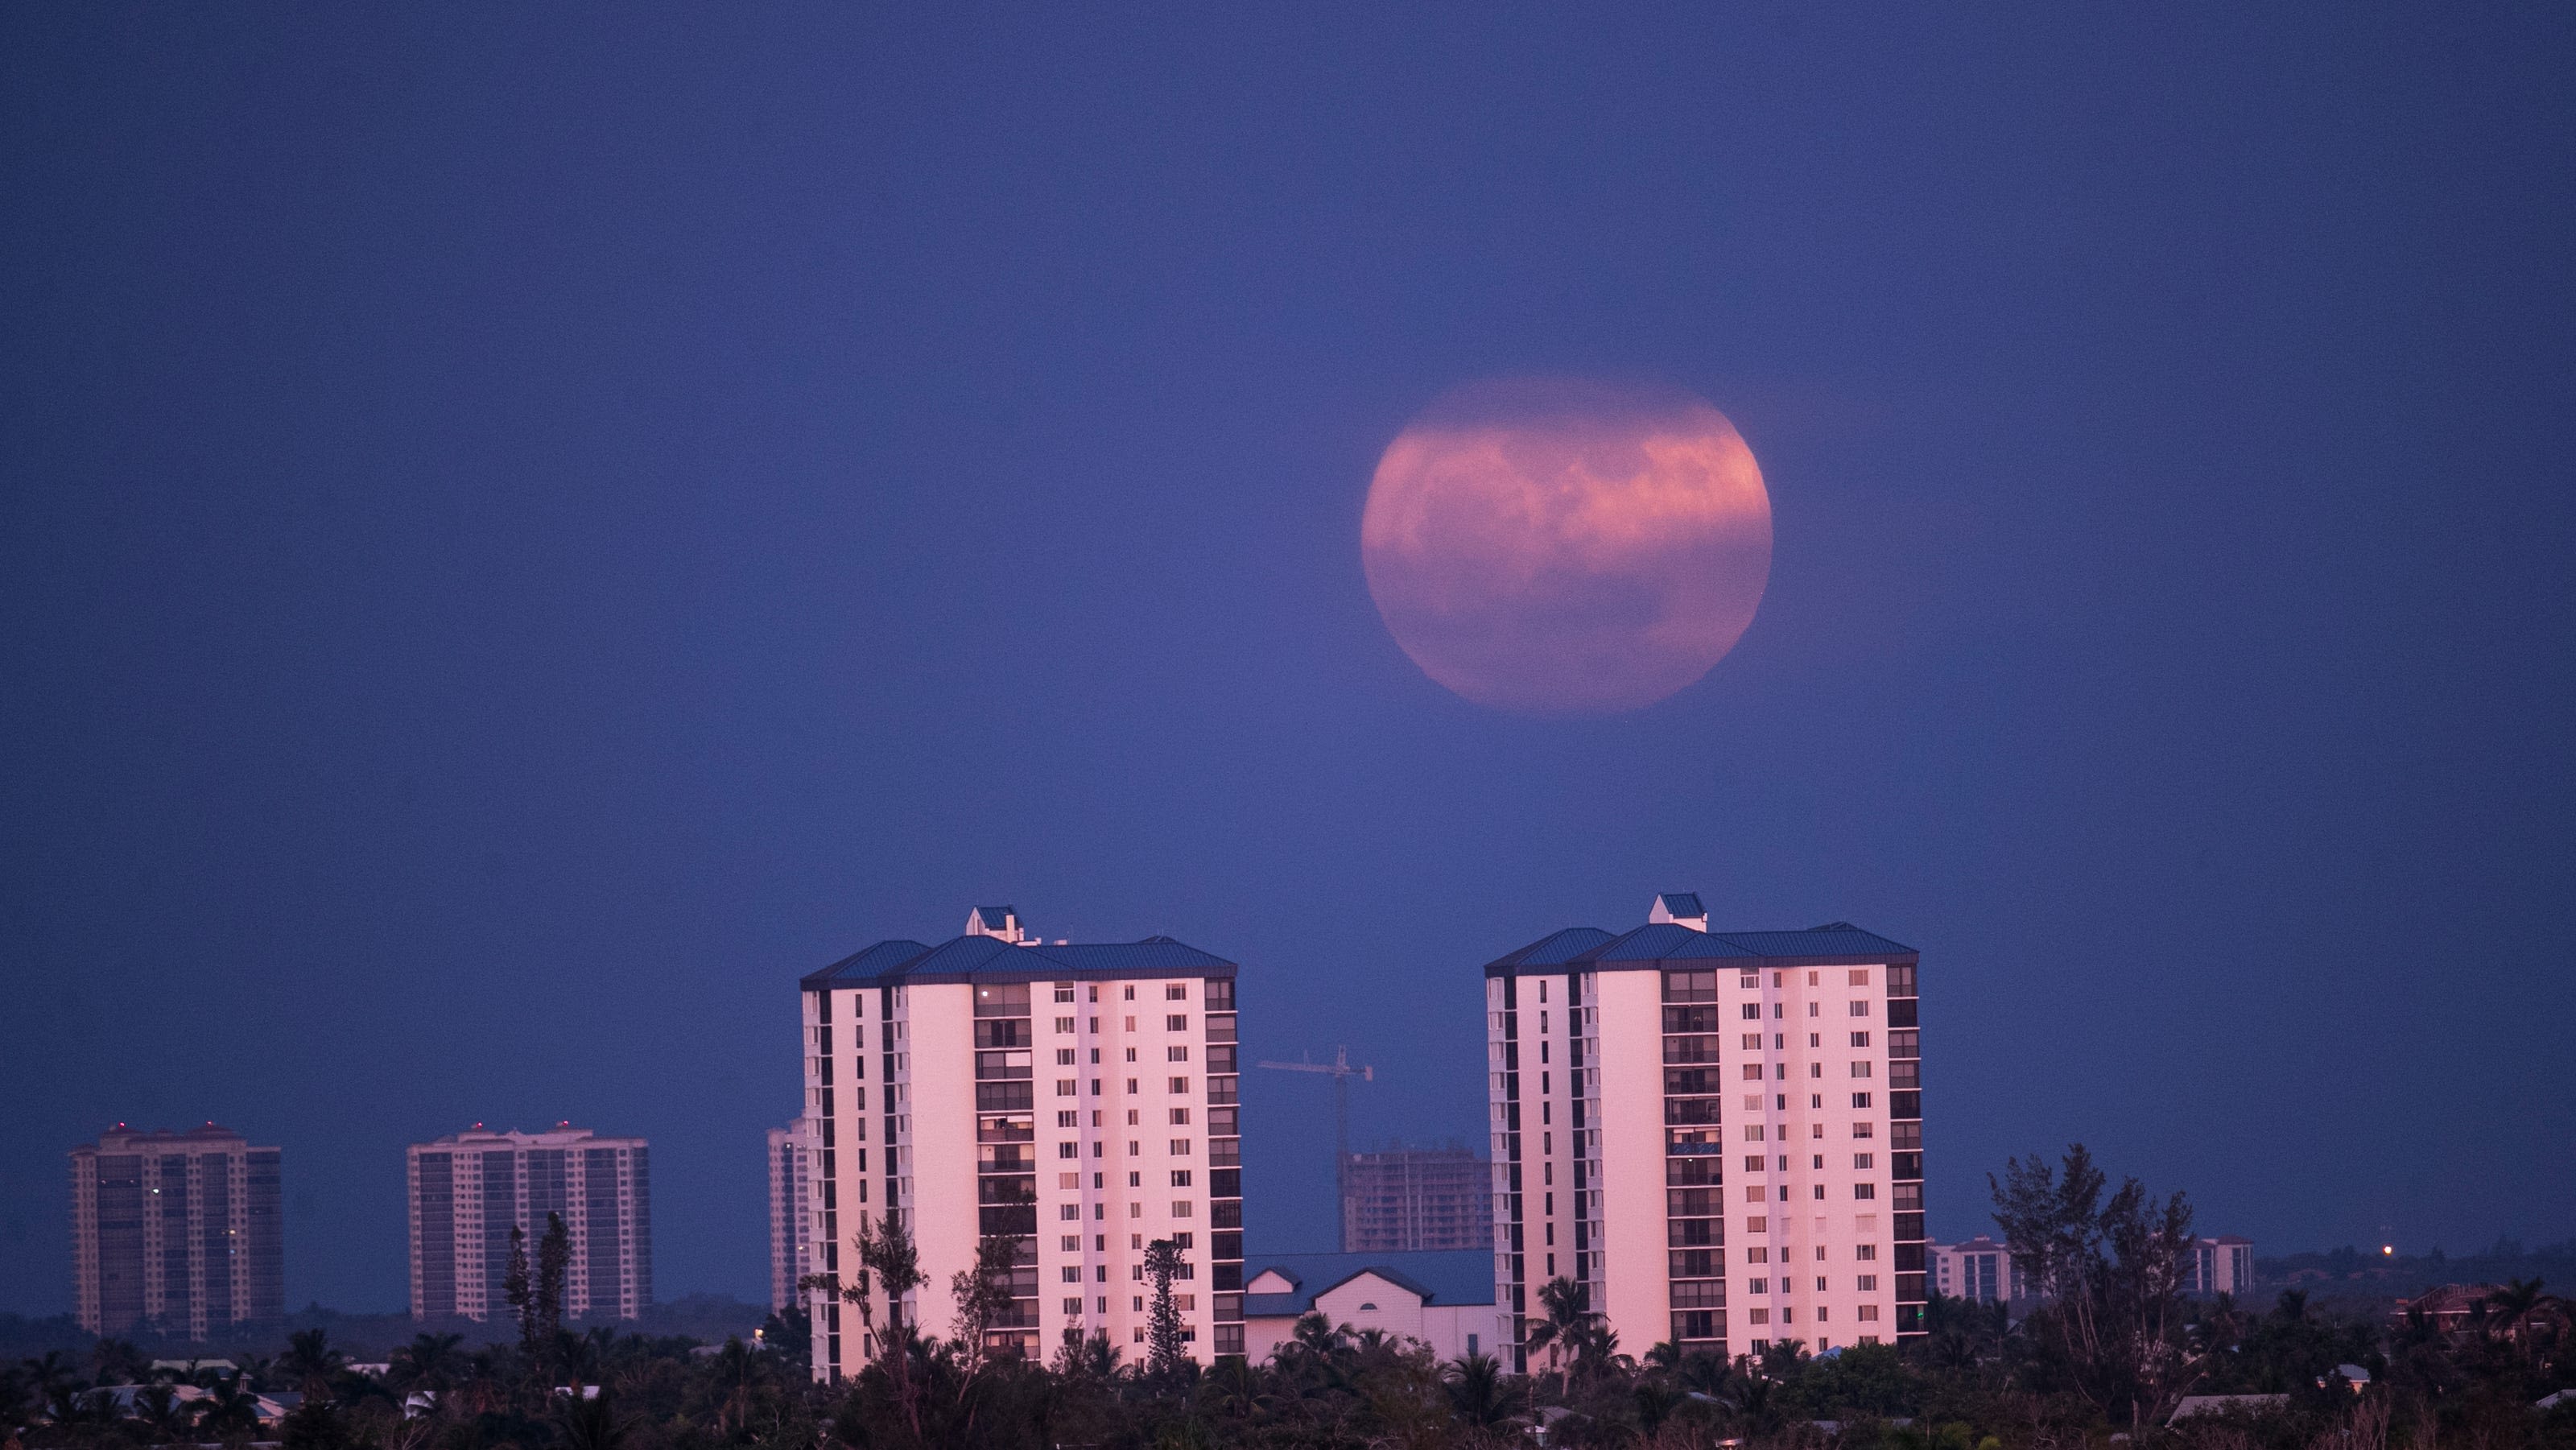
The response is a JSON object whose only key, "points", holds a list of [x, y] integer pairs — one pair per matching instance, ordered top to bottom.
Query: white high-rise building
{"points": [[1076, 1100], [1718, 1134], [469, 1189], [791, 1212], [176, 1232]]}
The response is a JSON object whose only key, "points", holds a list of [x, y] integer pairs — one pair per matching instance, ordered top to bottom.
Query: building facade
{"points": [[1633, 1075], [1077, 1102], [468, 1190], [1407, 1200], [791, 1214], [176, 1232], [2221, 1265], [1980, 1270], [1444, 1298]]}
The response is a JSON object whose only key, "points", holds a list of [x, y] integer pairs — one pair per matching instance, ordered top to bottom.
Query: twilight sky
{"points": [[524, 530]]}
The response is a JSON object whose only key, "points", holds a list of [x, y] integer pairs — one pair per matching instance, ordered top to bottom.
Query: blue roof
{"points": [[1680, 905], [1656, 942], [1557, 949], [989, 958], [1440, 1276]]}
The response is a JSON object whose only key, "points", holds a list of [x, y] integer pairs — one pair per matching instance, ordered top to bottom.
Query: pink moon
{"points": [[1552, 547]]}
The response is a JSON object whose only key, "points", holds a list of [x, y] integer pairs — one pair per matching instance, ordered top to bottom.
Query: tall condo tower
{"points": [[1633, 1075], [1077, 1102], [469, 1189], [791, 1216], [177, 1232]]}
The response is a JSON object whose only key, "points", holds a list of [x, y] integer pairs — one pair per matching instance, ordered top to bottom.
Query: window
{"points": [[1859, 977], [1128, 992], [1176, 992], [1860, 1009], [1752, 1011], [1176, 1023], [1064, 1024], [1815, 1039], [1860, 1039], [1753, 1042], [1131, 1053], [1176, 1053], [1064, 1057], [1815, 1069], [1860, 1069], [1752, 1072], [1180, 1084], [1131, 1085], [1064, 1086], [1860, 1100], [1753, 1102], [1131, 1117], [1180, 1117], [1068, 1119], [1862, 1130], [1753, 1132], [1180, 1147], [1135, 1149], [1068, 1150], [1820, 1160], [1861, 1161], [1752, 1162], [1180, 1178], [1135, 1180], [1861, 1190], [1754, 1193], [1069, 1210], [1182, 1210], [1757, 1225], [1184, 1241], [1070, 1243], [1865, 1253], [1757, 1255], [1070, 1273], [1867, 1283], [1759, 1286], [1820, 1288], [1073, 1306], [1869, 1314], [1759, 1316]]}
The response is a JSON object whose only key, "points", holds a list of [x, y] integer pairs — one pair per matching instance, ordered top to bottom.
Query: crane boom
{"points": [[1341, 1072]]}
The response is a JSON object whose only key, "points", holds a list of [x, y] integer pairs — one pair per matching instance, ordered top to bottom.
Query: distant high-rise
{"points": [[1631, 1074], [1075, 1103], [468, 1190], [1400, 1200], [791, 1219], [177, 1232]]}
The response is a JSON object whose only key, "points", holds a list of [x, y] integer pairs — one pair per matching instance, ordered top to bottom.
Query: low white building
{"points": [[1445, 1298]]}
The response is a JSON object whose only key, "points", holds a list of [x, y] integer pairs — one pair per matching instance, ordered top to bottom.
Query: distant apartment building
{"points": [[1633, 1074], [1074, 1102], [469, 1189], [1406, 1200], [791, 1218], [176, 1232], [2222, 1265], [1981, 1270]]}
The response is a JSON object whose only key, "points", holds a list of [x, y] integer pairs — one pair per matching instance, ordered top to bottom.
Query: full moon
{"points": [[1553, 547]]}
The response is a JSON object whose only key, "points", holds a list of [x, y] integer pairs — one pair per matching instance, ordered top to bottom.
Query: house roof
{"points": [[1833, 944], [989, 959], [1439, 1276]]}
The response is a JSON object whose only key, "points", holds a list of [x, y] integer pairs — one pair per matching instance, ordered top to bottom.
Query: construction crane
{"points": [[1341, 1072]]}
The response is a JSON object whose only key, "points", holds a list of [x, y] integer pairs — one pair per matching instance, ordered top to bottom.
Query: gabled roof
{"points": [[1681, 905], [1661, 942], [987, 958], [1439, 1276]]}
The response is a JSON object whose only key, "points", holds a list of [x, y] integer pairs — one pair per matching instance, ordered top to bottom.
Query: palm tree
{"points": [[1569, 1308], [118, 1362], [429, 1362], [310, 1363], [48, 1375], [1234, 1389], [1478, 1392], [229, 1407], [166, 1416], [591, 1423]]}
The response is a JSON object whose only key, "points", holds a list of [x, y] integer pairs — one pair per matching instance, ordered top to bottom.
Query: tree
{"points": [[888, 1256], [554, 1261], [2113, 1274], [983, 1295], [522, 1296], [1569, 1310], [1163, 1327], [118, 1362], [429, 1362], [310, 1363], [1478, 1392], [591, 1423]]}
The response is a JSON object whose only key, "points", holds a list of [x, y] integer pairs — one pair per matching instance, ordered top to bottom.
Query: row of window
{"points": [[1173, 1023], [1064, 1056], [1753, 1072], [1066, 1087], [1755, 1162], [1072, 1212], [1861, 1283]]}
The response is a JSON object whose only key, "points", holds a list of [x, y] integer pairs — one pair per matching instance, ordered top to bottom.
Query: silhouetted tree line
{"points": [[2104, 1360]]}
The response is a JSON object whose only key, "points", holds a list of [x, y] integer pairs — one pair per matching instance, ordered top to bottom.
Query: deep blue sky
{"points": [[527, 529]]}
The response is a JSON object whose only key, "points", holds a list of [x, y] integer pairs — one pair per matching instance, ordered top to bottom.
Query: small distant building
{"points": [[469, 1189], [1406, 1200], [791, 1220], [176, 1231], [2223, 1265], [1979, 1270], [1445, 1299], [2446, 1308]]}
